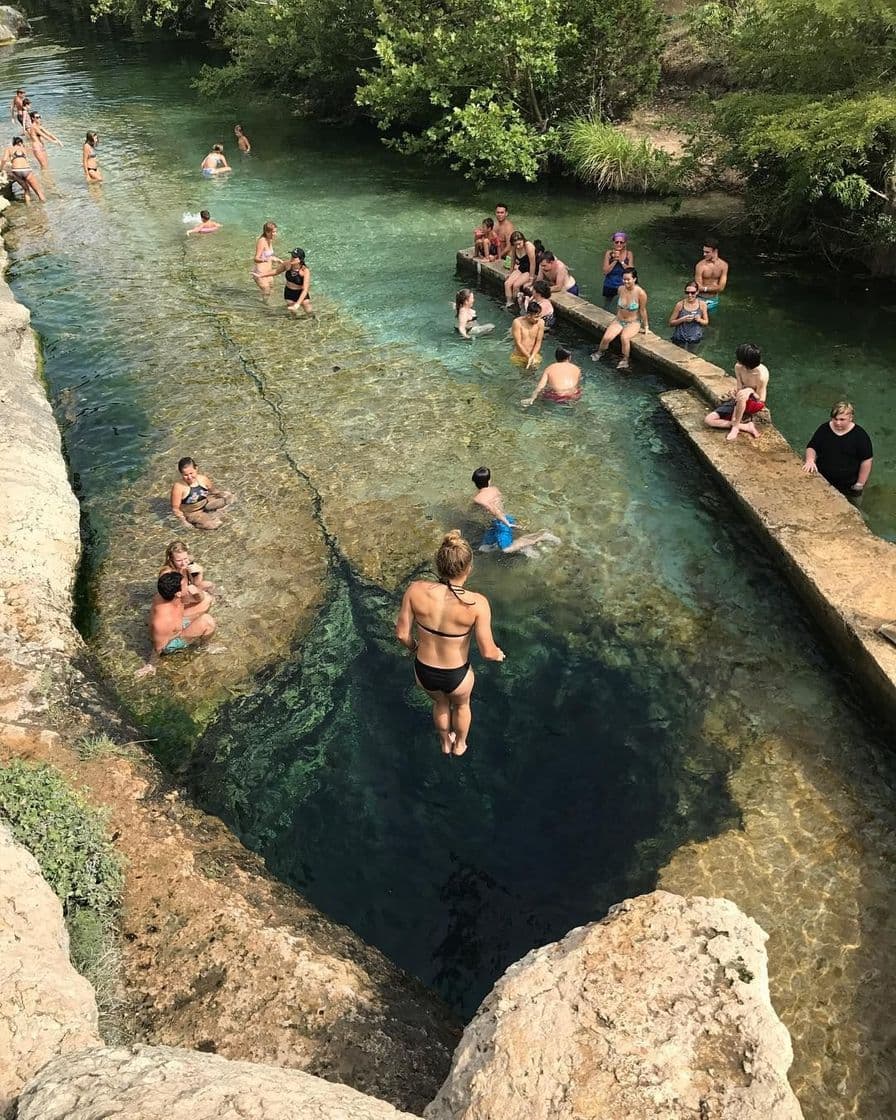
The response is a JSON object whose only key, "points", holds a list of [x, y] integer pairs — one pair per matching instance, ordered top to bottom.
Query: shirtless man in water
{"points": [[711, 274], [528, 331], [560, 382], [747, 399], [499, 534], [171, 628]]}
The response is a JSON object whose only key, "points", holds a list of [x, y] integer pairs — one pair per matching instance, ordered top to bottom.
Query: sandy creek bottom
{"points": [[666, 714]]}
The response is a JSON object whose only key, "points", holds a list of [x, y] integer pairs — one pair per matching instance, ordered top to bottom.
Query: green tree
{"points": [[484, 86]]}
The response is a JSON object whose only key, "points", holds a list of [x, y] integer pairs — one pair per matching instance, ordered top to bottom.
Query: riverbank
{"points": [[844, 574]]}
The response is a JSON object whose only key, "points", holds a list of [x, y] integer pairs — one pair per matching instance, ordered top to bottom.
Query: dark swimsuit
{"points": [[521, 264], [294, 294], [196, 495], [441, 680]]}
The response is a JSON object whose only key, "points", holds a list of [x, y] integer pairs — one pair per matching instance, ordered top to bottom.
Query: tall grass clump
{"points": [[602, 155]]}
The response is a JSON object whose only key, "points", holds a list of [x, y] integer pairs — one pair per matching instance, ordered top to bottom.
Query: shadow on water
{"points": [[574, 793]]}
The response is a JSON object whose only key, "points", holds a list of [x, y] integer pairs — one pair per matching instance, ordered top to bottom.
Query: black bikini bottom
{"points": [[440, 680]]}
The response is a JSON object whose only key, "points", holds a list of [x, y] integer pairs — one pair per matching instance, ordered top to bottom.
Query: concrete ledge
{"points": [[685, 369], [844, 573]]}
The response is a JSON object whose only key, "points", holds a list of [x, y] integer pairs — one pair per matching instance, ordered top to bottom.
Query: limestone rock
{"points": [[13, 24], [46, 1008], [659, 1012], [163, 1083]]}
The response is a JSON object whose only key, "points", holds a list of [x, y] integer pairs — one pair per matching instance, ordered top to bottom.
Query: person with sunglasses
{"points": [[36, 134], [616, 260], [689, 318]]}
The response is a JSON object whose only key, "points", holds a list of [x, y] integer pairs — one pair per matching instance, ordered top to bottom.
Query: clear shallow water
{"points": [[662, 694]]}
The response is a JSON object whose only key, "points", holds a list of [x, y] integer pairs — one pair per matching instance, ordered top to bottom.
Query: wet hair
{"points": [[18, 91], [26, 101], [237, 128], [92, 139], [17, 140], [217, 147], [498, 205], [205, 215], [489, 223], [268, 226], [517, 236], [710, 243], [539, 247], [298, 255], [547, 255], [631, 271], [542, 288], [526, 290], [461, 298], [534, 307], [561, 354], [749, 355], [843, 406], [185, 462], [482, 476], [175, 546], [454, 556], [169, 585]]}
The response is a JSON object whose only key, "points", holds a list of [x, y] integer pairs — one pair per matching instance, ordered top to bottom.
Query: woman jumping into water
{"points": [[37, 134], [92, 171], [265, 262], [446, 615]]}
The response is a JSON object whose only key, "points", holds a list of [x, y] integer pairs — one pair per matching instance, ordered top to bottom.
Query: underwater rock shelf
{"points": [[843, 572]]}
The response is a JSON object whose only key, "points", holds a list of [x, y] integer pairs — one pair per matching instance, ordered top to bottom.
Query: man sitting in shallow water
{"points": [[560, 382], [499, 534], [171, 627]]}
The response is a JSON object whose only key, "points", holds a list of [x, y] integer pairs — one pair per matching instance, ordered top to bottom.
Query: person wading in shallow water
{"points": [[195, 496], [447, 615]]}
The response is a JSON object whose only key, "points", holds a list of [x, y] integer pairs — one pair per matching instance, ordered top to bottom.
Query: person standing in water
{"points": [[37, 134], [242, 140], [89, 162], [215, 162], [20, 170], [206, 225], [616, 260], [265, 261], [711, 274], [297, 291], [465, 316], [689, 317], [528, 332], [561, 382], [499, 535], [447, 615]]}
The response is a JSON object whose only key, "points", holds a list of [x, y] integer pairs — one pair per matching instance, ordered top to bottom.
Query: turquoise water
{"points": [[665, 711]]}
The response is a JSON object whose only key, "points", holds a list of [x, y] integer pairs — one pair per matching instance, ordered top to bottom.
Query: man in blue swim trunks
{"points": [[711, 274], [499, 535], [171, 628]]}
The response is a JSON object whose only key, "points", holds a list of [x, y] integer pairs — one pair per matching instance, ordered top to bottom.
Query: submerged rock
{"points": [[46, 1008], [660, 1010], [156, 1082]]}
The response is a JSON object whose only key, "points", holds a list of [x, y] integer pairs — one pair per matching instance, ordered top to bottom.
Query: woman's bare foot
{"points": [[447, 740], [460, 747]]}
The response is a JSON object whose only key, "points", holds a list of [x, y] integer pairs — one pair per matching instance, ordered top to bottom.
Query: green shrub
{"points": [[602, 155], [64, 834]]}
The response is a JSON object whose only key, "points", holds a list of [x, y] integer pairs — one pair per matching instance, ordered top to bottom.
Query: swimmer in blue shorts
{"points": [[215, 163], [711, 274], [499, 535], [171, 627]]}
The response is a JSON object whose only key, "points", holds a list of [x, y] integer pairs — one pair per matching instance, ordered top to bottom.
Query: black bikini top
{"points": [[441, 633]]}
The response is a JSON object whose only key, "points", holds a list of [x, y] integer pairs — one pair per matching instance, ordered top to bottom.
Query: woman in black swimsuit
{"points": [[20, 169], [522, 266], [297, 291], [446, 616]]}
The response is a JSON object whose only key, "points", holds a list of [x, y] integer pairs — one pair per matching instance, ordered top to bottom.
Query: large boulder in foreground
{"points": [[46, 1008], [659, 1012], [163, 1083]]}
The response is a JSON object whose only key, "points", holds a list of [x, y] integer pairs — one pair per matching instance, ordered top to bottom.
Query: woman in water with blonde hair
{"points": [[265, 262], [446, 615]]}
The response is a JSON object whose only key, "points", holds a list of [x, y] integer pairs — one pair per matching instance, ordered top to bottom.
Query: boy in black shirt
{"points": [[841, 452]]}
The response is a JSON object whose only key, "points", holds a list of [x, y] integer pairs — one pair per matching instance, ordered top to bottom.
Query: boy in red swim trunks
{"points": [[748, 398]]}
